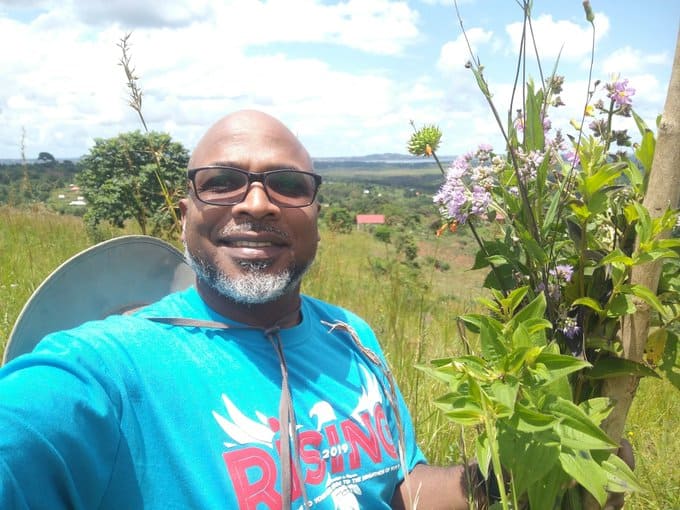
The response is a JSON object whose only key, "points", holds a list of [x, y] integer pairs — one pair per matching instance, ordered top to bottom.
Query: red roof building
{"points": [[370, 219]]}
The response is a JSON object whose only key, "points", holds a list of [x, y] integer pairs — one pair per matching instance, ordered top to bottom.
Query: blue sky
{"points": [[347, 77]]}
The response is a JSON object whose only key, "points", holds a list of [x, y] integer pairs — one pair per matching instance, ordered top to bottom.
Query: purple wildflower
{"points": [[620, 92], [547, 124], [572, 158], [452, 197], [480, 200], [563, 272], [570, 328]]}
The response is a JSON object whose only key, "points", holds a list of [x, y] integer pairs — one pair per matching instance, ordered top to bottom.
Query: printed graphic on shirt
{"points": [[336, 457]]}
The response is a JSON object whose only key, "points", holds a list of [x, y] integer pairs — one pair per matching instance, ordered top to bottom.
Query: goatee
{"points": [[253, 285]]}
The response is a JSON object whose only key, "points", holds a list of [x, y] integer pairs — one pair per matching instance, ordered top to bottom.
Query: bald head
{"points": [[252, 135]]}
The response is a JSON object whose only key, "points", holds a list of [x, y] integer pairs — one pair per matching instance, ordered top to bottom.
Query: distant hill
{"points": [[377, 162]]}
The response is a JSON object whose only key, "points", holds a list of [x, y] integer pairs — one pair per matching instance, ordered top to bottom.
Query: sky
{"points": [[347, 77]]}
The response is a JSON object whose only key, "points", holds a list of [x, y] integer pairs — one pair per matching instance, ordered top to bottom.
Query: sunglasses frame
{"points": [[260, 177]]}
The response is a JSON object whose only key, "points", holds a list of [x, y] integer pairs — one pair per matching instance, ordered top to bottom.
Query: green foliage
{"points": [[46, 157], [127, 178], [29, 183], [339, 219], [383, 233], [559, 273], [518, 393]]}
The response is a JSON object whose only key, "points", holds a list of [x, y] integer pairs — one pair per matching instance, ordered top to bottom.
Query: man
{"points": [[236, 393]]}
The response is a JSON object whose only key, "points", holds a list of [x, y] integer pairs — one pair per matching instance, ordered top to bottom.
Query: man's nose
{"points": [[256, 203]]}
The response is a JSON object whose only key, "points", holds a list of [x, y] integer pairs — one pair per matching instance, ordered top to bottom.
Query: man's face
{"points": [[254, 251]]}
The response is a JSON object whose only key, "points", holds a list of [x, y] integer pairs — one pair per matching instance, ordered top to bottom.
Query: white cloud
{"points": [[570, 40], [454, 54], [628, 60], [195, 61], [347, 82]]}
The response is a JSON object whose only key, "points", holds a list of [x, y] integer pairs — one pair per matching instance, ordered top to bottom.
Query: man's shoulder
{"points": [[332, 313]]}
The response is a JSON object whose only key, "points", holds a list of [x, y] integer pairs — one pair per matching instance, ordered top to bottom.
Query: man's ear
{"points": [[183, 213]]}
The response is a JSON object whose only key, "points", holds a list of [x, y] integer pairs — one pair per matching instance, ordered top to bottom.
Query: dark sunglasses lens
{"points": [[221, 185], [291, 188]]}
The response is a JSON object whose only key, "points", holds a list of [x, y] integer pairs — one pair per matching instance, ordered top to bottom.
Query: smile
{"points": [[251, 244]]}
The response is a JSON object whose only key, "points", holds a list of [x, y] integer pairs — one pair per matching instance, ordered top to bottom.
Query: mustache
{"points": [[252, 226]]}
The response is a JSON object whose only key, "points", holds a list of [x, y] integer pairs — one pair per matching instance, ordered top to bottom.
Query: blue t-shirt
{"points": [[130, 413]]}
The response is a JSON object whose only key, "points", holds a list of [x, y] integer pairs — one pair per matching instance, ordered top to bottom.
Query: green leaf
{"points": [[641, 124], [534, 137], [645, 150], [632, 172], [605, 175], [551, 213], [643, 227], [533, 249], [616, 257], [497, 260], [647, 295], [514, 299], [590, 303], [620, 305], [534, 309], [521, 337], [493, 347], [521, 356], [671, 360], [561, 365], [611, 366], [504, 394], [597, 408], [463, 411], [574, 417], [528, 419], [574, 438], [483, 453], [522, 453], [582, 467], [620, 478], [544, 493]]}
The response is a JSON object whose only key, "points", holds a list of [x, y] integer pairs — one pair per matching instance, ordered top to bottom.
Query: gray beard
{"points": [[252, 286]]}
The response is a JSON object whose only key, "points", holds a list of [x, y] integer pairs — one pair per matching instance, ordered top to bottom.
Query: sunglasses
{"points": [[224, 185]]}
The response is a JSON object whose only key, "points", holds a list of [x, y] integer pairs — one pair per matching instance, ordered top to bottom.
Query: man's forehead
{"points": [[247, 136]]}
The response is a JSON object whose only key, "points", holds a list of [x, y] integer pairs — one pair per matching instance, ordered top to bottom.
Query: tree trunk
{"points": [[663, 192]]}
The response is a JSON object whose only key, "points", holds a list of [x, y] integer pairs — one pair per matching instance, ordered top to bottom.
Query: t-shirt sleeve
{"points": [[59, 417]]}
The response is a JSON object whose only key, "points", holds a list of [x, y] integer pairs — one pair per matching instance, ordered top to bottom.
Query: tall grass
{"points": [[413, 314]]}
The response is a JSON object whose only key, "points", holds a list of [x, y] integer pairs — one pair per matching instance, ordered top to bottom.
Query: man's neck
{"points": [[283, 312]]}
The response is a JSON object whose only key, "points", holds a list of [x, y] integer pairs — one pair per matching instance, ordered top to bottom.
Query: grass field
{"points": [[413, 315]]}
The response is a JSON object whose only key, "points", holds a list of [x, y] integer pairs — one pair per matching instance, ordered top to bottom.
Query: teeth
{"points": [[251, 244]]}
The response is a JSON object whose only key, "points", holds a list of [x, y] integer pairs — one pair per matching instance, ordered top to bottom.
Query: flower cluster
{"points": [[620, 93], [466, 190]]}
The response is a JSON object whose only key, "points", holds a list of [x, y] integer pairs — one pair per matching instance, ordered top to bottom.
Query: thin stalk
{"points": [[484, 87], [135, 103]]}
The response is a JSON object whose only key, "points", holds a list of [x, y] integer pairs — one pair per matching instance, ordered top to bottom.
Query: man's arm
{"points": [[434, 488]]}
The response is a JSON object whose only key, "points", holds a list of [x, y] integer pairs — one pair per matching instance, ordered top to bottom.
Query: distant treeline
{"points": [[36, 180], [22, 183]]}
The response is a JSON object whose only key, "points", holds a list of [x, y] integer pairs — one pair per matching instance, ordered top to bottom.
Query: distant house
{"points": [[367, 220]]}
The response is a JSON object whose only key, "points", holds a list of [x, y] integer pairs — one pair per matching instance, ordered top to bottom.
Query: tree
{"points": [[46, 157], [134, 176], [663, 192], [339, 219]]}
